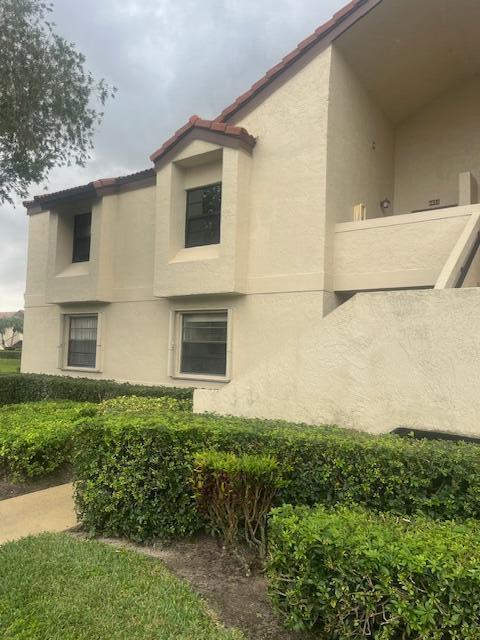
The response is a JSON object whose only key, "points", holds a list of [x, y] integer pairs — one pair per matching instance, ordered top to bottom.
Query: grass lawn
{"points": [[9, 366], [55, 587]]}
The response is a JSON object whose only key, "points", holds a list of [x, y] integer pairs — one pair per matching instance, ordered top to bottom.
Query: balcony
{"points": [[416, 250]]}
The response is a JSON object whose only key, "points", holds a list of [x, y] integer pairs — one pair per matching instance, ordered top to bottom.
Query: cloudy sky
{"points": [[168, 59]]}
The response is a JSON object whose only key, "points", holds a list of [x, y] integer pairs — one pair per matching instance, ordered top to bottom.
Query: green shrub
{"points": [[10, 355], [30, 387], [143, 406], [36, 439], [134, 472], [235, 493], [354, 574]]}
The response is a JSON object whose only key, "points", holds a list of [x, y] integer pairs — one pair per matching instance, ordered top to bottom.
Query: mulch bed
{"points": [[12, 490], [237, 600]]}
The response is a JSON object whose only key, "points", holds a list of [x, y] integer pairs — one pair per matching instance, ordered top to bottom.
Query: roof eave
{"points": [[327, 32]]}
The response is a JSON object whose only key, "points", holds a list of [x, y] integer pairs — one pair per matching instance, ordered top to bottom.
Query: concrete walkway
{"points": [[48, 510]]}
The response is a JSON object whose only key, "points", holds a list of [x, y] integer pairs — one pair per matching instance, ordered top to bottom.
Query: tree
{"points": [[49, 103], [11, 327]]}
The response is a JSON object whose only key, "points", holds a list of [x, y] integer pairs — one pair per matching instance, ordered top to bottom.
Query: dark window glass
{"points": [[202, 225], [81, 237], [82, 341], [204, 344]]}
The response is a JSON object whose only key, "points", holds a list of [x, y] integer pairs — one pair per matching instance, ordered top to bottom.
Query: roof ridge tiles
{"points": [[195, 122]]}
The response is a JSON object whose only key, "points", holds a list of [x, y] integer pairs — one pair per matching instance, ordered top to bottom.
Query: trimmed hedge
{"points": [[10, 355], [31, 387], [138, 405], [36, 439], [134, 474], [235, 495], [354, 574]]}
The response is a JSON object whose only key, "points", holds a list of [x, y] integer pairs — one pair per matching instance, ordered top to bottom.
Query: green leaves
{"points": [[49, 104], [29, 387], [137, 405], [36, 439], [154, 457], [234, 493], [354, 574]]}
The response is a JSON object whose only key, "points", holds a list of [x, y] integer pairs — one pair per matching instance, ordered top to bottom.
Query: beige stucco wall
{"points": [[435, 145], [360, 146], [288, 182], [272, 235], [134, 241], [397, 251], [37, 259], [211, 269], [135, 336], [380, 361], [377, 362]]}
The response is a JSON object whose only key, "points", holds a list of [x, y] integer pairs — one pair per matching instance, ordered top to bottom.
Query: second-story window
{"points": [[82, 224], [202, 224]]}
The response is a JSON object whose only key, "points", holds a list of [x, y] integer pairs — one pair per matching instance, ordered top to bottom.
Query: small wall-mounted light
{"points": [[385, 205]]}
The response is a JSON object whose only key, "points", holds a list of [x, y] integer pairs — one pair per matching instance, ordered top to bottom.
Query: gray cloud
{"points": [[168, 60]]}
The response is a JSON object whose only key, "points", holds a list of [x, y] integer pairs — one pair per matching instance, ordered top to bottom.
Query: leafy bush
{"points": [[10, 355], [30, 387], [143, 406], [36, 439], [134, 472], [235, 494], [354, 574]]}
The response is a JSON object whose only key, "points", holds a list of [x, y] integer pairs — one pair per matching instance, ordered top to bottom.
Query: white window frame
{"points": [[176, 324], [64, 342]]}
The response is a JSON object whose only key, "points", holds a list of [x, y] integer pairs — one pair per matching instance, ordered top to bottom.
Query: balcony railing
{"points": [[417, 250]]}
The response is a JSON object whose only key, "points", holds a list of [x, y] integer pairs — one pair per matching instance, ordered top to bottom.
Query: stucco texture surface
{"points": [[380, 361]]}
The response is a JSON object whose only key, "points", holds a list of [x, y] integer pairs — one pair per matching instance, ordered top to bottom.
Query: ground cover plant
{"points": [[32, 387], [36, 438], [134, 473], [353, 574], [55, 587]]}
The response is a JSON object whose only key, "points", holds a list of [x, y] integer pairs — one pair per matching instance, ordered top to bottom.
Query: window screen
{"points": [[82, 224], [202, 224], [82, 341], [204, 344]]}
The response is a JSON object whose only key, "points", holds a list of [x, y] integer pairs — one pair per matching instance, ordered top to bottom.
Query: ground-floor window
{"points": [[82, 341], [203, 343]]}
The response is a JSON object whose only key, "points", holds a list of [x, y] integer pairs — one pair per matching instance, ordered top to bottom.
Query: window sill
{"points": [[201, 252], [84, 369], [200, 377]]}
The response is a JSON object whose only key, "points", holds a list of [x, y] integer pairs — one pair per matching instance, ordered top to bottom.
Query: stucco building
{"points": [[312, 253]]}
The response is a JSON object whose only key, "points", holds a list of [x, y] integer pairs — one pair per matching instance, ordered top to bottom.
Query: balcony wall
{"points": [[398, 251]]}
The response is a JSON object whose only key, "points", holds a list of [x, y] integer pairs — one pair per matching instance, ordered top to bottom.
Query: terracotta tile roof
{"points": [[293, 56], [272, 74], [198, 123], [218, 125], [91, 188]]}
